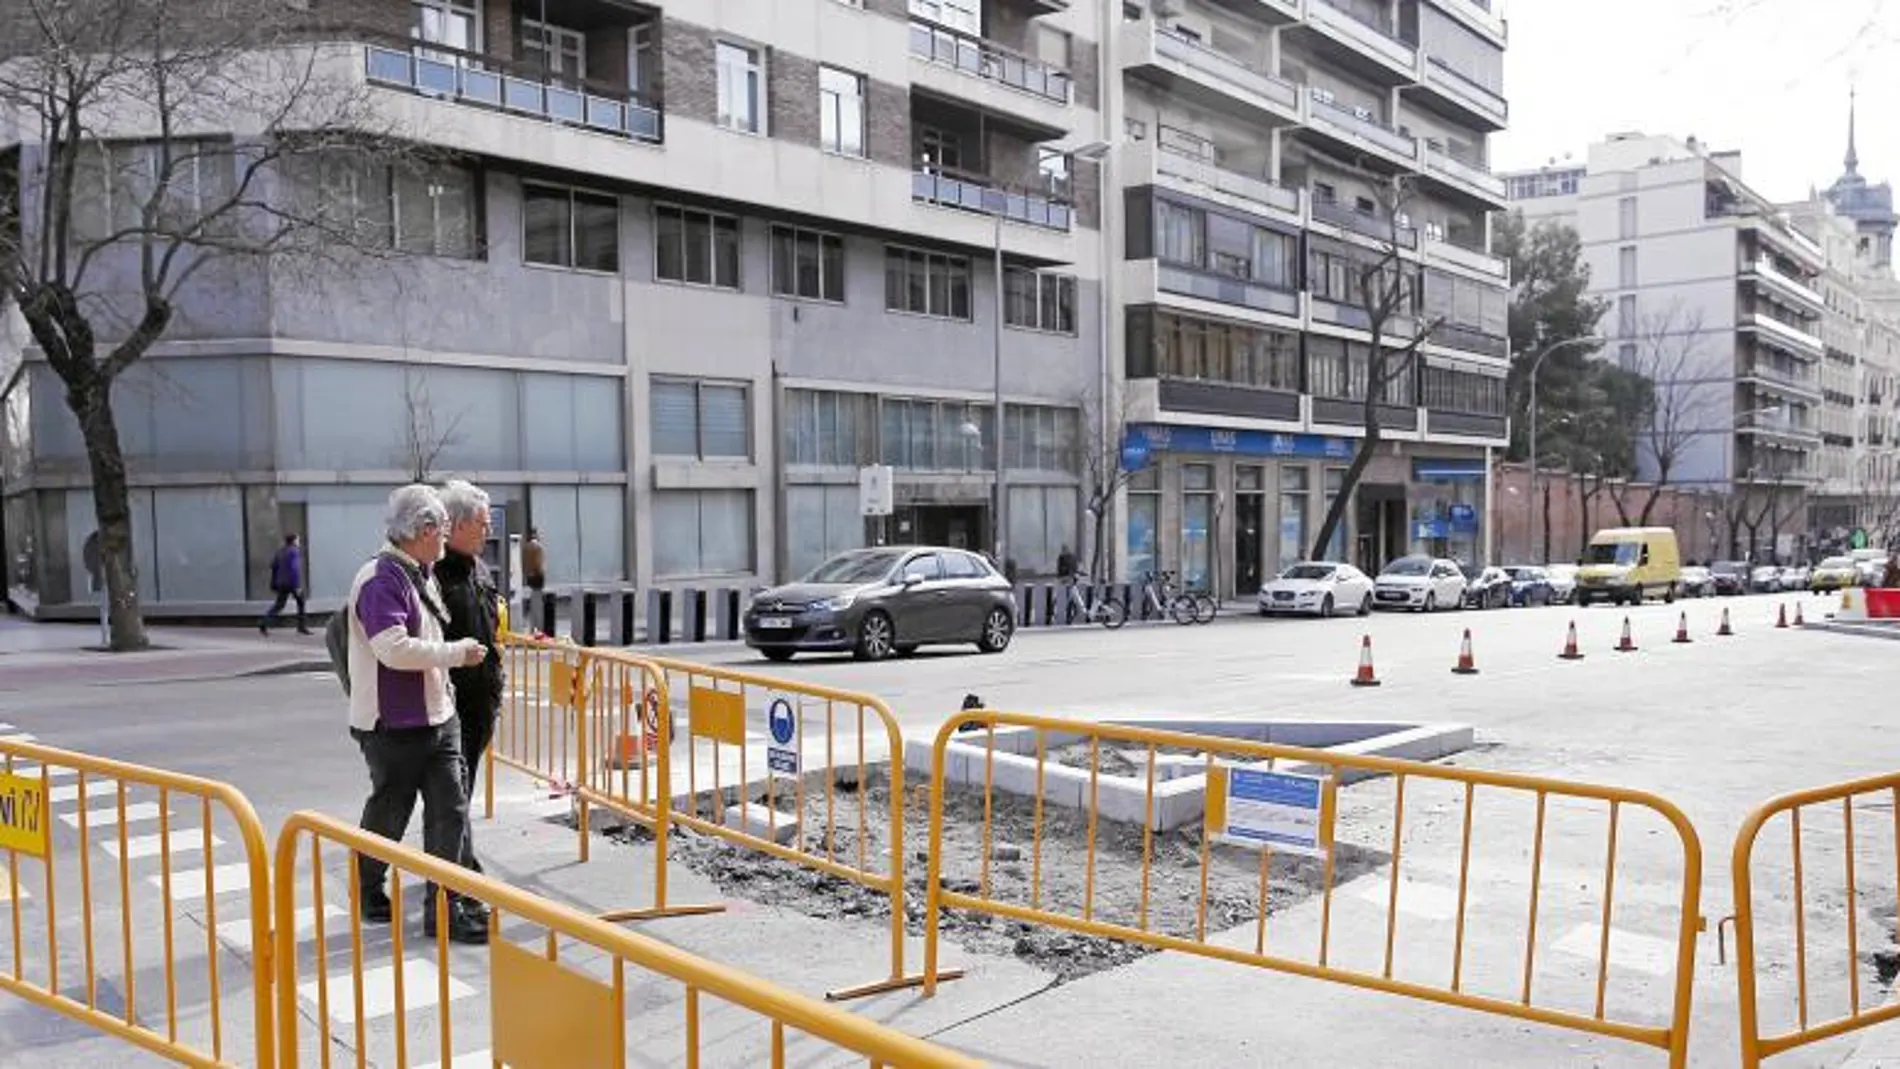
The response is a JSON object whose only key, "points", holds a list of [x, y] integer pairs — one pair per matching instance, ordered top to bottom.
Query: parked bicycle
{"points": [[1160, 593], [1104, 609]]}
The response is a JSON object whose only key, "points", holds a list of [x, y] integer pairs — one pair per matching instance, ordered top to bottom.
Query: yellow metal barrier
{"points": [[839, 730], [537, 732], [1217, 757], [1836, 837], [564, 989], [201, 1015]]}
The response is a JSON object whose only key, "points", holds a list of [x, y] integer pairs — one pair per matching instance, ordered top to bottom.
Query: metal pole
{"points": [[997, 432], [1530, 499]]}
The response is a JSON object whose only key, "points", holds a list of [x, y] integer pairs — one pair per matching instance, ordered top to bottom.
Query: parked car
{"points": [[1624, 564], [1871, 564], [1834, 573], [1729, 577], [1795, 577], [1765, 579], [1697, 581], [1563, 582], [1422, 584], [1530, 585], [1318, 587], [1486, 588], [876, 602]]}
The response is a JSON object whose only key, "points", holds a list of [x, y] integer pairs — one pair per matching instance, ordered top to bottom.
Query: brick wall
{"points": [[1085, 59], [689, 74], [792, 95], [887, 118], [1573, 520]]}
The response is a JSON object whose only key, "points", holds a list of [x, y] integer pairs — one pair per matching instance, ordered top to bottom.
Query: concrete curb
{"points": [[1864, 630]]}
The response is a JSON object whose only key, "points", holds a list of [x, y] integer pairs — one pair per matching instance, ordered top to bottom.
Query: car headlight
{"points": [[837, 604]]}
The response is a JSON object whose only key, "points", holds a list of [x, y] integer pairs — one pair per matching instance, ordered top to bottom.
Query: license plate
{"points": [[773, 623]]}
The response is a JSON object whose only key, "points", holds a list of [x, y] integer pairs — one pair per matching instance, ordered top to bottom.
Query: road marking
{"points": [[19, 738], [33, 772], [66, 793], [109, 814], [184, 841], [189, 884], [6, 892], [1428, 901], [304, 920], [1628, 950], [419, 983], [475, 1059]]}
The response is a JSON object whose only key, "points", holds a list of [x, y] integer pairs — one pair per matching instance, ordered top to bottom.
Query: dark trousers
{"points": [[277, 608], [477, 730], [403, 765]]}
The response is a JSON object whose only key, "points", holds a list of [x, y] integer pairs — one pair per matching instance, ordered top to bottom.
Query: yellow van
{"points": [[1626, 563]]}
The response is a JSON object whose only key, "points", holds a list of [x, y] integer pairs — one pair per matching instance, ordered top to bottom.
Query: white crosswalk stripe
{"points": [[33, 772], [135, 813], [184, 841], [188, 885], [303, 921], [379, 991], [475, 1059]]}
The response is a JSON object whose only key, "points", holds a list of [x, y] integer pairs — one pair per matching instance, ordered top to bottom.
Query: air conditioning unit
{"points": [[1362, 114]]}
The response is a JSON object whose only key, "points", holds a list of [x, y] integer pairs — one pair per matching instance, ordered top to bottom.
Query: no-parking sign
{"points": [[781, 721]]}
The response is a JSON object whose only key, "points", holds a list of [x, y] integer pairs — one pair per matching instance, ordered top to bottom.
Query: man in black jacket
{"points": [[469, 594]]}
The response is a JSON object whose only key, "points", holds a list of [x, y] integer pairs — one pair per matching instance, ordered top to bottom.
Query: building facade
{"points": [[676, 272], [1713, 293]]}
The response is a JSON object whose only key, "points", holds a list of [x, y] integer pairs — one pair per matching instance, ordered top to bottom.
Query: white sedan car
{"points": [[1422, 584], [1321, 588]]}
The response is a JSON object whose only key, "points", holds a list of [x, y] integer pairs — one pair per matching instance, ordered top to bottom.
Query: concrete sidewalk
{"points": [[48, 654]]}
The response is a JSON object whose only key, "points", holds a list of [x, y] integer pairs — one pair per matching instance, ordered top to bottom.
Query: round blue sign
{"points": [[1134, 452], [782, 722]]}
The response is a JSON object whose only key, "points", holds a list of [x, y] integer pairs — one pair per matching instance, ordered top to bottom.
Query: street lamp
{"points": [[1530, 513]]}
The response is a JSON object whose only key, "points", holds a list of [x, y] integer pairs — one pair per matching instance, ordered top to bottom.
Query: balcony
{"points": [[1480, 16], [1371, 50], [1206, 76], [480, 81], [1008, 83], [1477, 104], [1359, 129], [1176, 159], [1464, 176], [946, 188], [1366, 224], [1768, 224], [1446, 253], [1777, 284], [1210, 293], [1786, 337], [1467, 340], [1790, 382], [1775, 425]]}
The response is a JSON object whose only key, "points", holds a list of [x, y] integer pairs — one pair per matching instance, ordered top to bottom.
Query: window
{"points": [[965, 15], [453, 24], [557, 49], [741, 88], [840, 111], [939, 149], [113, 184], [429, 209], [1626, 217], [570, 228], [1181, 234], [696, 247], [806, 263], [1626, 267], [1333, 275], [926, 283], [1036, 300], [1464, 302], [1626, 316], [1213, 350], [1447, 390], [701, 418], [824, 427], [924, 435], [1041, 438], [1294, 486], [702, 532]]}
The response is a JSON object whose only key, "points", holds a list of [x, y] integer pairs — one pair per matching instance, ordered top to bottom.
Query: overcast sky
{"points": [[1768, 77]]}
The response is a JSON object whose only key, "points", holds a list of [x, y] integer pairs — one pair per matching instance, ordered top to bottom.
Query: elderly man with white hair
{"points": [[474, 605], [402, 709]]}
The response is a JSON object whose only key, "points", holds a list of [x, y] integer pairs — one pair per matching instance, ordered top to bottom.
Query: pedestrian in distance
{"points": [[534, 562], [1065, 563], [286, 582], [474, 607], [402, 705]]}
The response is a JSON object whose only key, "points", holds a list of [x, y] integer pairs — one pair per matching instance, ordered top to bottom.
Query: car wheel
{"points": [[1669, 595], [1431, 601], [1365, 606], [1326, 607], [998, 629], [876, 637], [779, 656]]}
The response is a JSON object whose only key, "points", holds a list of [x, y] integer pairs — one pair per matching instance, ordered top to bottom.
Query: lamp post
{"points": [[1530, 511]]}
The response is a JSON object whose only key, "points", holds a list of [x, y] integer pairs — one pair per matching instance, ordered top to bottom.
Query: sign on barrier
{"points": [[781, 719], [1281, 810], [23, 825]]}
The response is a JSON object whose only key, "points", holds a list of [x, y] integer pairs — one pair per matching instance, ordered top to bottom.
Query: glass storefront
{"points": [[1295, 485], [1447, 502], [1144, 521], [1197, 525]]}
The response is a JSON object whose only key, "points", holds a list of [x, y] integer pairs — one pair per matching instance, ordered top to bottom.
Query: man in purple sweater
{"points": [[286, 582]]}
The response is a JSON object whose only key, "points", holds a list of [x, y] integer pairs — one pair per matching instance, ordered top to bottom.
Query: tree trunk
{"points": [[1335, 514], [1098, 556], [1546, 556], [125, 620]]}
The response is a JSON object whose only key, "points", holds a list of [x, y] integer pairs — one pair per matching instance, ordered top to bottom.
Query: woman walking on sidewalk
{"points": [[286, 581]]}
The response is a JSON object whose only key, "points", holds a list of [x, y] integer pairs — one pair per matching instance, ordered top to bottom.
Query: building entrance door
{"points": [[1249, 514]]}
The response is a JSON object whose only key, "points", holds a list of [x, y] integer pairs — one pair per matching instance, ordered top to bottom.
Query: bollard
{"points": [[1025, 600], [1049, 604], [545, 611], [621, 612], [587, 613], [728, 615], [659, 617], [693, 628]]}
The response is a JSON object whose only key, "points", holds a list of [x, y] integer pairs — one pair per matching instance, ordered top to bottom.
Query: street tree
{"points": [[125, 210], [1386, 289], [1550, 308], [1667, 348], [426, 431], [1103, 473]]}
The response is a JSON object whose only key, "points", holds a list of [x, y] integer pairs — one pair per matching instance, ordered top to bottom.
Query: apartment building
{"points": [[1256, 139], [683, 269], [1713, 293]]}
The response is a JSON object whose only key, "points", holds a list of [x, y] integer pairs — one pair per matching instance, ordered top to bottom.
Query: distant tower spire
{"points": [[1853, 157]]}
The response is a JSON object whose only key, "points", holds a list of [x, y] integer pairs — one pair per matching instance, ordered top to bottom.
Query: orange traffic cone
{"points": [[1781, 619], [1798, 621], [1682, 630], [1725, 631], [1627, 644], [1571, 652], [1467, 664], [1364, 677]]}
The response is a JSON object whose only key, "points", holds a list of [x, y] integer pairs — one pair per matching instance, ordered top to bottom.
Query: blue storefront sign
{"points": [[1144, 439], [1447, 469], [1464, 518], [1424, 530]]}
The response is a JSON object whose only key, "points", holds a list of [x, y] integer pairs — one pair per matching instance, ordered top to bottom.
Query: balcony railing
{"points": [[1376, 39], [1171, 45], [989, 61], [482, 81], [1461, 84], [1363, 124], [1182, 155], [1470, 173], [985, 196], [1367, 223], [1474, 259], [1766, 268], [1226, 289], [1788, 335], [1466, 339], [1782, 376], [1770, 423]]}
